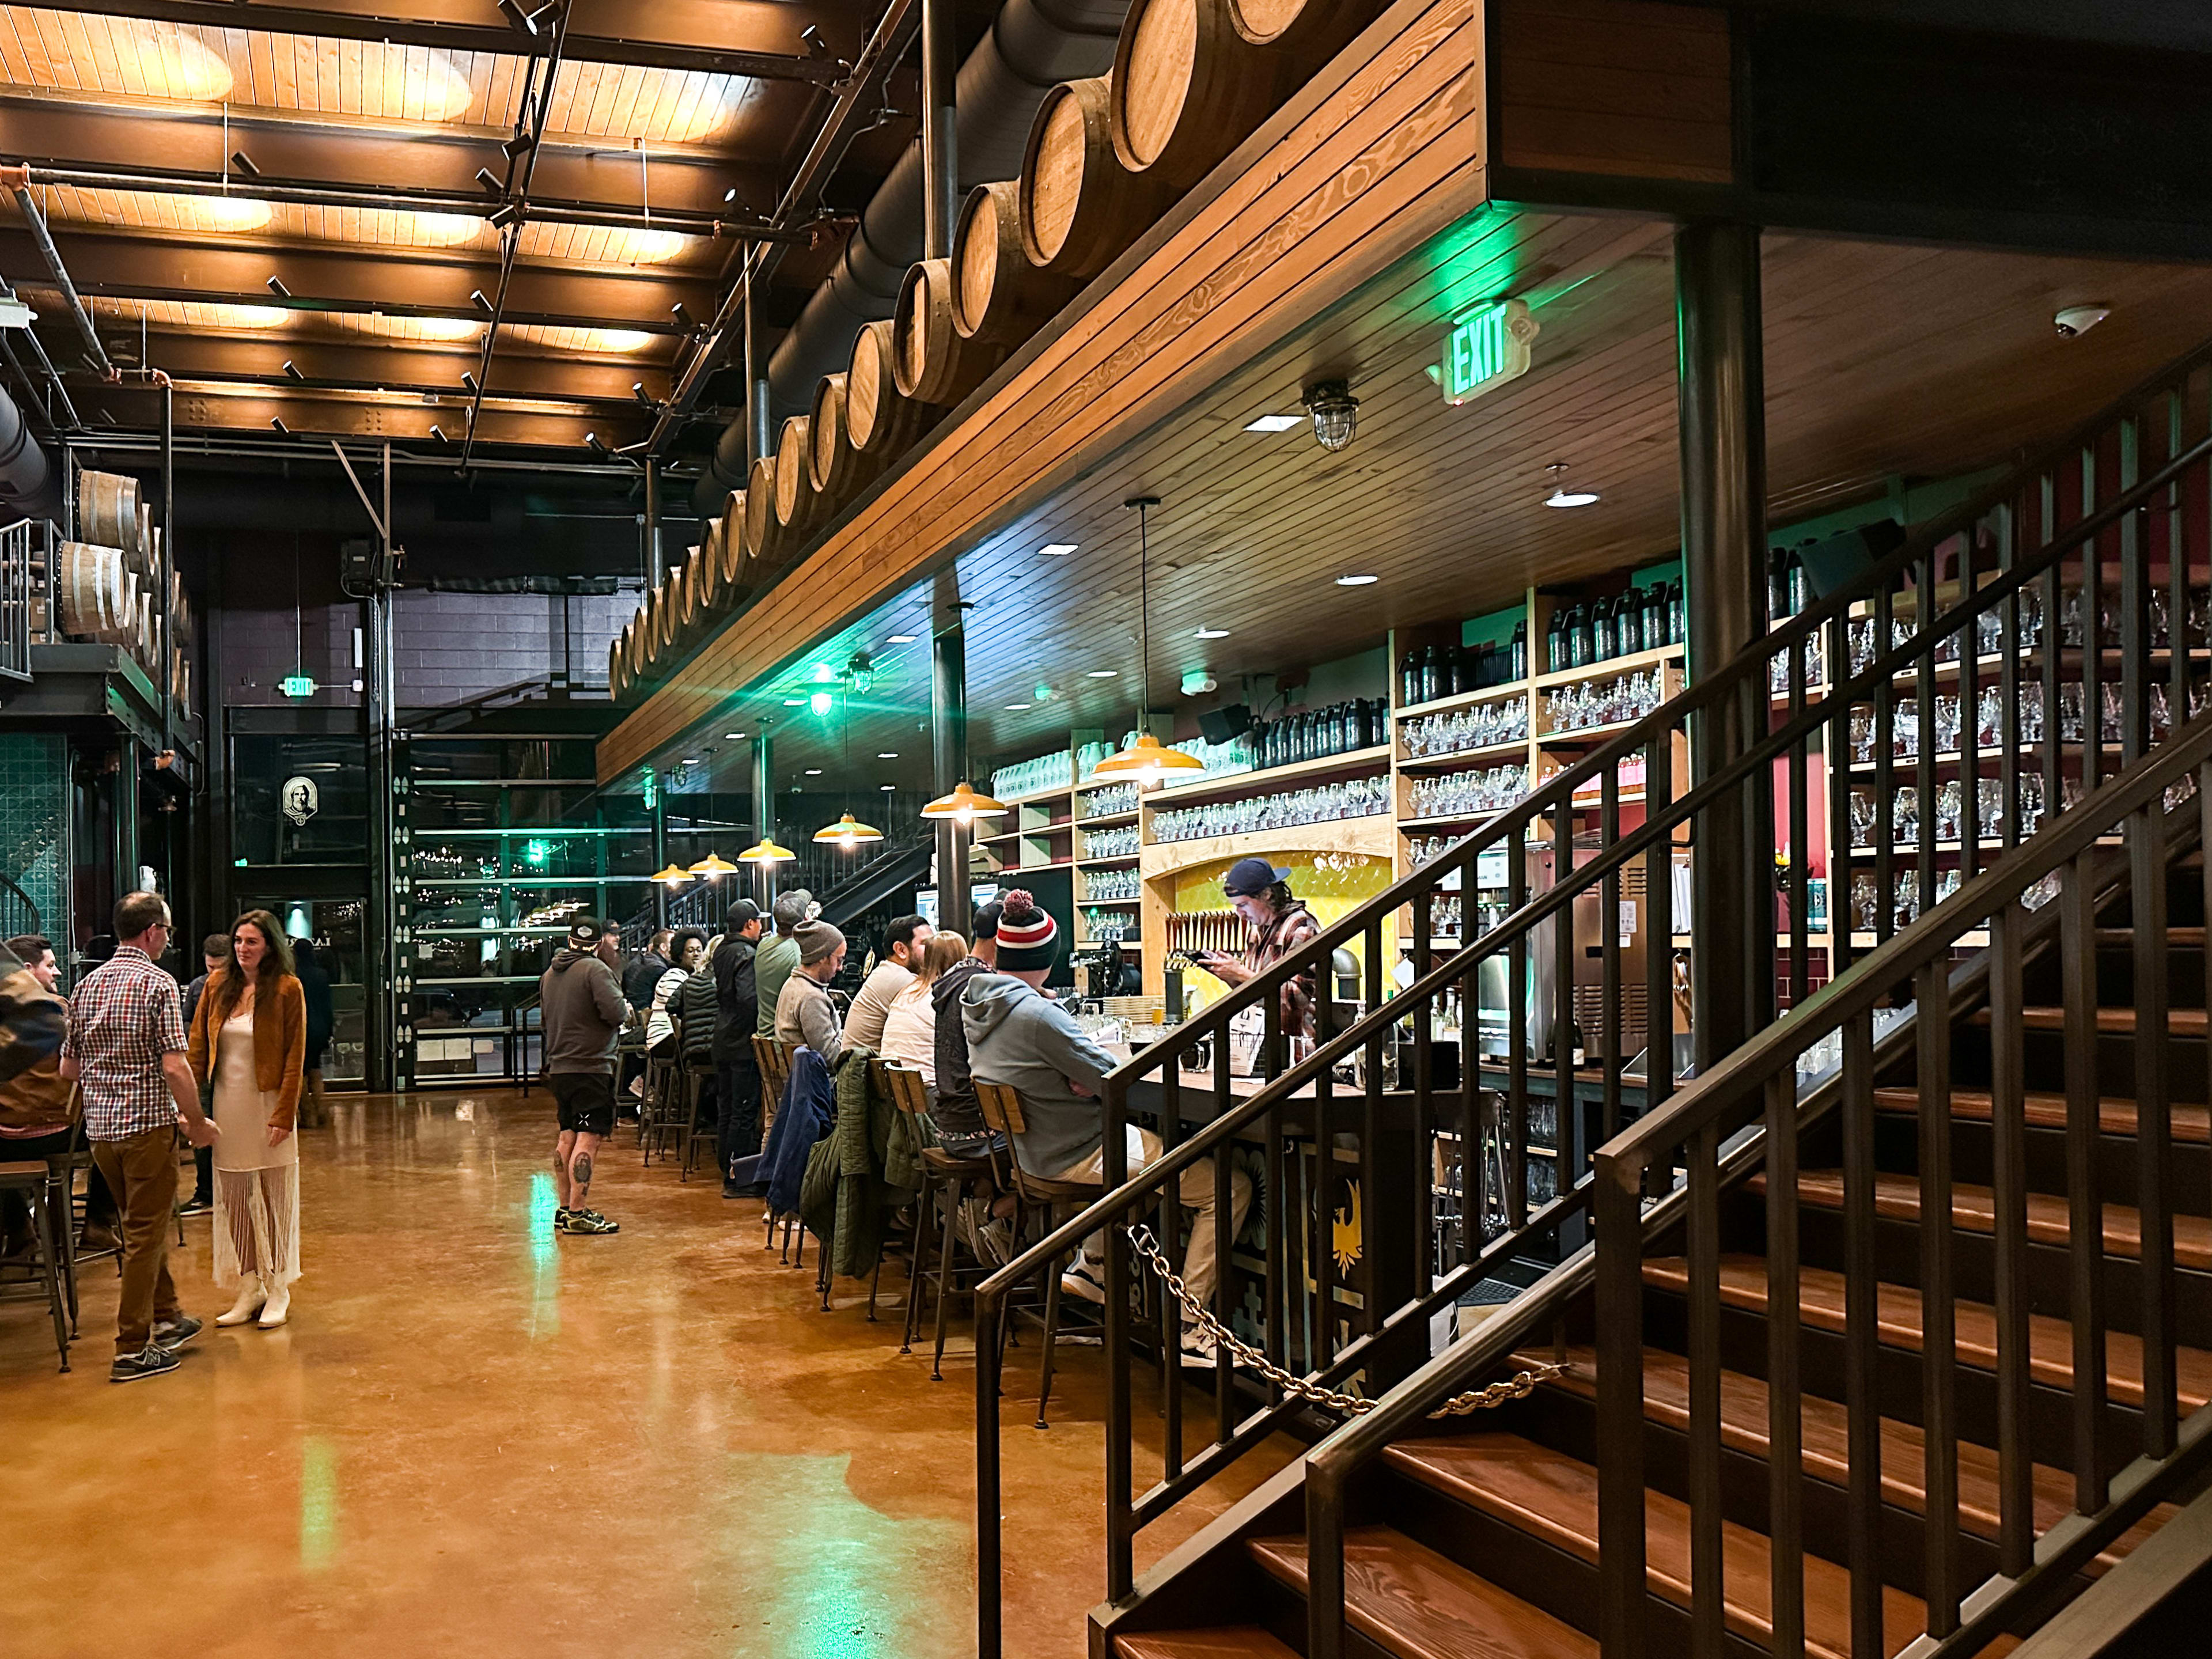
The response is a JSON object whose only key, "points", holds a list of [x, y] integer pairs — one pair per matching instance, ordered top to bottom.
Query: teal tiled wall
{"points": [[34, 820]]}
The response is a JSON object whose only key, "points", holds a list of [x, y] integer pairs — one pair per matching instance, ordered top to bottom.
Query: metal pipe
{"points": [[940, 166], [18, 180], [757, 409], [1722, 422], [652, 522], [169, 563], [948, 757], [764, 809]]}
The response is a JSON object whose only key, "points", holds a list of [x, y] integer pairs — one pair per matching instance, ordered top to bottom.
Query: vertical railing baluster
{"points": [[2177, 573], [2135, 612], [2092, 637], [2054, 667], [2007, 710], [1969, 740], [1836, 748], [1923, 773], [1885, 783], [1800, 835], [1659, 936], [1517, 1045], [1610, 1057], [1565, 1110], [2153, 1127], [2009, 1135], [1617, 1196], [1168, 1207], [2084, 1208], [1703, 1228], [1938, 1291], [1861, 1338], [1785, 1387], [1121, 1434]]}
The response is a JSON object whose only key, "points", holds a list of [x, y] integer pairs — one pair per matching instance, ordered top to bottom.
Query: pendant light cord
{"points": [[1144, 621]]}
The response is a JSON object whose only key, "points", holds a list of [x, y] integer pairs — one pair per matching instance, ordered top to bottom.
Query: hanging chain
{"points": [[1518, 1385]]}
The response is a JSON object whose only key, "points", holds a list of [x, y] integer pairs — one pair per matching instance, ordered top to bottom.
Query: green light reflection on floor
{"points": [[544, 1319], [319, 1503]]}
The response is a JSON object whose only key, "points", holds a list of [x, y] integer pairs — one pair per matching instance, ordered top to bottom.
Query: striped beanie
{"points": [[1027, 935]]}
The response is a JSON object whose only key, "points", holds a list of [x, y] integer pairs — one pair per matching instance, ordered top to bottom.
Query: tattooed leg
{"points": [[564, 1150], [579, 1170]]}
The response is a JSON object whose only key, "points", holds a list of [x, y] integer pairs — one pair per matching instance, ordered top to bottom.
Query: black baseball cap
{"points": [[1249, 877], [741, 914], [585, 932]]}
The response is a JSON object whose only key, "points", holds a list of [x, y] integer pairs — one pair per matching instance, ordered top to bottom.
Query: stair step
{"points": [[2111, 1022], [2115, 1116], [1974, 1210], [2050, 1341], [1825, 1438], [1554, 1497], [1417, 1604], [1231, 1642]]}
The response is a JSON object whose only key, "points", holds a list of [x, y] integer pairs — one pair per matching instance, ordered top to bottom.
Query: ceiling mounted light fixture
{"points": [[244, 163], [492, 183], [276, 287], [476, 299], [292, 370], [469, 384], [1335, 413], [277, 422], [1275, 424], [598, 446], [1563, 494], [1056, 550], [1357, 579], [1210, 634], [899, 639], [860, 673], [1105, 673], [818, 702], [731, 737], [886, 754], [1147, 760], [813, 772], [963, 807], [849, 831], [765, 851], [714, 866], [675, 875]]}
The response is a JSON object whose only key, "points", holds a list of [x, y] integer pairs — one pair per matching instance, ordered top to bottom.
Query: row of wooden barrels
{"points": [[1106, 157], [94, 594]]}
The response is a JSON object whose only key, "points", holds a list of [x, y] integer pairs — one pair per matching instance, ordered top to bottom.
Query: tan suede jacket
{"points": [[280, 1043]]}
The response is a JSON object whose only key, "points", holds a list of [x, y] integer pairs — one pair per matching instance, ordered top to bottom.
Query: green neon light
{"points": [[819, 702]]}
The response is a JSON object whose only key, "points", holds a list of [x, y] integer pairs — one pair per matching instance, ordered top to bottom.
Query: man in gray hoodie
{"points": [[581, 1007], [1024, 1039]]}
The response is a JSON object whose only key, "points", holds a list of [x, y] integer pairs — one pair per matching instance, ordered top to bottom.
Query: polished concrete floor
{"points": [[477, 1438]]}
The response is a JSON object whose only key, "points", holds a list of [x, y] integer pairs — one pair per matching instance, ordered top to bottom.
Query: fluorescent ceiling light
{"points": [[1276, 423], [1057, 549], [1362, 580], [1212, 633], [899, 639], [1104, 673], [794, 703], [1020, 707], [731, 737], [886, 754], [813, 771], [887, 787]]}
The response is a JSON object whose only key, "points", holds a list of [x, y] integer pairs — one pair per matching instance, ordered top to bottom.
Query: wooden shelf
{"points": [[1611, 668], [1464, 699], [1583, 734], [1988, 756], [1463, 758], [1265, 780], [1037, 794], [1107, 820], [1374, 837], [1107, 858], [1117, 903]]}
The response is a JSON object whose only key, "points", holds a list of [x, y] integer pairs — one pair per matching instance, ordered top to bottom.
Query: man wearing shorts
{"points": [[581, 1004]]}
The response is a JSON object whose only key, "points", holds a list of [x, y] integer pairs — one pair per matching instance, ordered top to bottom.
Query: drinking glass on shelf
{"points": [[1947, 724], [1904, 729], [1861, 733], [2031, 802], [1950, 803], [1988, 805], [1862, 816], [1906, 817], [1866, 897], [1908, 899]]}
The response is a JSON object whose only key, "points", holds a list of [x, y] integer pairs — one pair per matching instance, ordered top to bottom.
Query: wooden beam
{"points": [[1381, 152]]}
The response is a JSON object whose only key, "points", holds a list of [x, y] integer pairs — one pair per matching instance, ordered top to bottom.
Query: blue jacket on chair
{"points": [[809, 1112]]}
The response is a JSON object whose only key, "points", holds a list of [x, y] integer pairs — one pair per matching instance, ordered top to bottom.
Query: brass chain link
{"points": [[1518, 1385]]}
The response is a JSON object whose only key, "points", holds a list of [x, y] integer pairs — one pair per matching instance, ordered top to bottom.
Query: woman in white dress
{"points": [[250, 1034]]}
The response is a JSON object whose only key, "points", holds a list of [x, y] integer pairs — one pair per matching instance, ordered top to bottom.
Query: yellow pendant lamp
{"points": [[1147, 760], [964, 805], [849, 832], [765, 851], [714, 866], [675, 875]]}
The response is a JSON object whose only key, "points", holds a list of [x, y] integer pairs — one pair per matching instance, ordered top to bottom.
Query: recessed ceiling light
{"points": [[1276, 423], [1563, 494], [1057, 549], [1356, 581], [1212, 633], [899, 639], [1104, 673], [794, 703], [1020, 707], [731, 737], [886, 754], [813, 771], [888, 788]]}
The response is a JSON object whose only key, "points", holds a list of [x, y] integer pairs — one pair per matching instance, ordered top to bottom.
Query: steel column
{"points": [[940, 161], [756, 403], [1722, 430], [651, 523], [166, 567], [948, 756], [764, 809], [659, 821], [382, 1032]]}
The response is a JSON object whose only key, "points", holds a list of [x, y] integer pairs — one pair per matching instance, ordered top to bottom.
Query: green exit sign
{"points": [[1486, 348], [296, 685]]}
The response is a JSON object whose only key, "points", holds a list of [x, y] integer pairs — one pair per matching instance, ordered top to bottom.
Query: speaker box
{"points": [[1224, 725]]}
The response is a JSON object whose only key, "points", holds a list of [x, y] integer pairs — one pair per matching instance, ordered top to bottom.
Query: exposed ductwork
{"points": [[1031, 47], [26, 475]]}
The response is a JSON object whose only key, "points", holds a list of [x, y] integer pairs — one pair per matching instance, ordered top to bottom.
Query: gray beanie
{"points": [[791, 909], [818, 941]]}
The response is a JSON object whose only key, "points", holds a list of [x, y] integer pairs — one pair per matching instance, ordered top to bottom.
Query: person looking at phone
{"points": [[1260, 893]]}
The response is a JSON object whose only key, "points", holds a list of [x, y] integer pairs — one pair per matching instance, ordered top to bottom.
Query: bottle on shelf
{"points": [[1777, 585], [1801, 591], [1655, 616], [1629, 618], [1677, 626], [1586, 629], [1604, 634], [1555, 642], [1518, 667], [1409, 678]]}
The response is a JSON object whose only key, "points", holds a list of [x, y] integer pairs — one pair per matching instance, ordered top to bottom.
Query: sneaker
{"points": [[731, 1189], [197, 1204], [560, 1214], [589, 1221], [1086, 1278], [171, 1335], [148, 1361]]}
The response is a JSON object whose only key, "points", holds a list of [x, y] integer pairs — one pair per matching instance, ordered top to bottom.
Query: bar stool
{"points": [[774, 1059], [659, 1073], [697, 1074], [668, 1096], [946, 1178], [34, 1179], [1056, 1199]]}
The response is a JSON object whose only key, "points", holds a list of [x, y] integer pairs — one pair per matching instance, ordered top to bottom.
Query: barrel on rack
{"points": [[1305, 33], [1187, 89], [1080, 206], [997, 295], [933, 364], [880, 421], [837, 468], [795, 482], [107, 511], [763, 536], [148, 562], [710, 566], [735, 570], [88, 589], [689, 599], [663, 619], [145, 637], [636, 638], [618, 666], [180, 675]]}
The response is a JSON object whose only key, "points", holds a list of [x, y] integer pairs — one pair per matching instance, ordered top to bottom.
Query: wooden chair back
{"points": [[904, 1086], [1001, 1107]]}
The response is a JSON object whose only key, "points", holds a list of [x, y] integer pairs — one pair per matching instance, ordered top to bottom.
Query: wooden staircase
{"points": [[1480, 1537]]}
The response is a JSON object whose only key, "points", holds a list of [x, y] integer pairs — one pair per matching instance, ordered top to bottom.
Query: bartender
{"points": [[1259, 892]]}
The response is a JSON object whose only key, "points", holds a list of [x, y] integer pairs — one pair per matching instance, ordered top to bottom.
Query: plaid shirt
{"points": [[1268, 945], [124, 1016]]}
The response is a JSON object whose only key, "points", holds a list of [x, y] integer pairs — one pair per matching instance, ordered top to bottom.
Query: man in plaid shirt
{"points": [[126, 1045]]}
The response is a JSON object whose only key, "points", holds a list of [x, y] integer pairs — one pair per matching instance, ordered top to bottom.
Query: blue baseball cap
{"points": [[1248, 877]]}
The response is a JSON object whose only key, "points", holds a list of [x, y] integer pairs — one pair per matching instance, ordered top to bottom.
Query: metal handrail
{"points": [[1790, 645]]}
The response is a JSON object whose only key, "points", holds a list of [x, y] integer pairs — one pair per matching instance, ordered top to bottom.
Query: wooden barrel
{"points": [[1302, 32], [1187, 89], [1080, 206], [997, 295], [933, 364], [880, 420], [839, 470], [795, 482], [107, 511], [763, 536], [147, 562], [710, 565], [735, 570], [87, 584], [690, 600], [664, 618], [141, 638], [636, 640], [617, 669], [180, 675]]}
